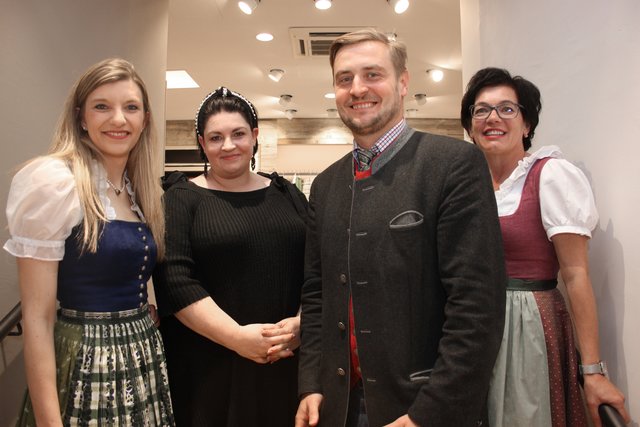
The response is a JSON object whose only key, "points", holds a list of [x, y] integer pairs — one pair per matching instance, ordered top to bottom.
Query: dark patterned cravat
{"points": [[364, 159]]}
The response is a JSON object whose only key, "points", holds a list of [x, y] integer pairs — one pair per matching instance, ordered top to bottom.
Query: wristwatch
{"points": [[596, 368]]}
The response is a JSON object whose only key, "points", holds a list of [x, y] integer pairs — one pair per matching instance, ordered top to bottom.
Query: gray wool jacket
{"points": [[418, 246]]}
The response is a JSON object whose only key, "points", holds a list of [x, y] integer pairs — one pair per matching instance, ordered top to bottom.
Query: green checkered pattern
{"points": [[111, 371]]}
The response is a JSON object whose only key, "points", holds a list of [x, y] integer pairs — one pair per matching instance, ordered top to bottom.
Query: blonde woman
{"points": [[87, 227]]}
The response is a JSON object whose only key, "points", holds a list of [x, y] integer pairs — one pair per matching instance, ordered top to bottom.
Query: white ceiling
{"points": [[215, 42]]}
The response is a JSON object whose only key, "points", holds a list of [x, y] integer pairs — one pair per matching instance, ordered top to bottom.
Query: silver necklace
{"points": [[116, 189]]}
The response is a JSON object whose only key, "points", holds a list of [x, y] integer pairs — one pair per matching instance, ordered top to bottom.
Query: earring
{"points": [[84, 128], [253, 162]]}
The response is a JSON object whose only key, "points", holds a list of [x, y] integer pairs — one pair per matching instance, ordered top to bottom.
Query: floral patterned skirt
{"points": [[111, 371]]}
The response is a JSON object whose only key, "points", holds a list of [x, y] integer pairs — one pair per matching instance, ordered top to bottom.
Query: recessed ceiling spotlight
{"points": [[322, 4], [248, 6], [399, 6], [264, 37], [276, 74], [435, 74], [330, 95], [421, 98], [285, 99], [289, 114]]}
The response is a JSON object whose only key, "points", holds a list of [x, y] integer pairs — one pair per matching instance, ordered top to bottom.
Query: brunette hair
{"points": [[528, 97], [224, 99]]}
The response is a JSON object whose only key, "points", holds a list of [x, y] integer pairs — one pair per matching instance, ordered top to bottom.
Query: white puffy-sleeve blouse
{"points": [[566, 200], [42, 208]]}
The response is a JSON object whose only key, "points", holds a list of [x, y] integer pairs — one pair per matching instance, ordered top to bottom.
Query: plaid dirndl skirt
{"points": [[111, 371]]}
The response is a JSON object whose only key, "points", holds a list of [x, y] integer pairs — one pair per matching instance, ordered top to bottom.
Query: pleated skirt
{"points": [[111, 371]]}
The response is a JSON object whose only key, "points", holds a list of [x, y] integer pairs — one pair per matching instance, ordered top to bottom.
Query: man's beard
{"points": [[374, 124]]}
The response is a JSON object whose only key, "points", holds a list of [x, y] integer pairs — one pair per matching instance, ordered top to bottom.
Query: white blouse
{"points": [[566, 201], [43, 207]]}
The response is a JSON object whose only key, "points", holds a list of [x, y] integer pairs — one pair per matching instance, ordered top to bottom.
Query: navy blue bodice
{"points": [[115, 277]]}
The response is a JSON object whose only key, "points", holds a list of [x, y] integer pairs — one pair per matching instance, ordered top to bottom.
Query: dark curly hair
{"points": [[528, 96]]}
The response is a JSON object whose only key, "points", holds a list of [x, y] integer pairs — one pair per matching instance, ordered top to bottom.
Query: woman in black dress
{"points": [[229, 290]]}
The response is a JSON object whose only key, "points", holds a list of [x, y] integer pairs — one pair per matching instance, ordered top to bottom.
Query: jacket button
{"points": [[343, 278], [341, 326], [341, 372]]}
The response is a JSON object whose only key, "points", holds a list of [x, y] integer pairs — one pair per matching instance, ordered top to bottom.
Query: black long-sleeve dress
{"points": [[246, 251]]}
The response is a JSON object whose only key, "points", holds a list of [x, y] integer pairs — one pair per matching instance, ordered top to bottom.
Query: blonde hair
{"points": [[397, 50], [74, 146]]}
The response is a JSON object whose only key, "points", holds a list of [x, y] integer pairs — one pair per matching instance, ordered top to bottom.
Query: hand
{"points": [[153, 313], [287, 332], [251, 344], [599, 390], [308, 413], [403, 421]]}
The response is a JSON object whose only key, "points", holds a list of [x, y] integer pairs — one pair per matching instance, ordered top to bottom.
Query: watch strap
{"points": [[596, 368]]}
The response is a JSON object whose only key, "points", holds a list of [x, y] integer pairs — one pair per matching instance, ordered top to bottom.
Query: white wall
{"points": [[44, 47], [584, 57]]}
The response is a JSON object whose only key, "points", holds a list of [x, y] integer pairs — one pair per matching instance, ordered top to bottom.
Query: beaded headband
{"points": [[223, 92]]}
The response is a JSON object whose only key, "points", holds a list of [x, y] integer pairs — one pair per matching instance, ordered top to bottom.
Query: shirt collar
{"points": [[385, 140]]}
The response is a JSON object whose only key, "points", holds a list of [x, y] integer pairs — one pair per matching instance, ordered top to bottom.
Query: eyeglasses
{"points": [[505, 110]]}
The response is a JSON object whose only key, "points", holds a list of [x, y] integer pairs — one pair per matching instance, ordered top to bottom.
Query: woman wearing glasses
{"points": [[547, 212]]}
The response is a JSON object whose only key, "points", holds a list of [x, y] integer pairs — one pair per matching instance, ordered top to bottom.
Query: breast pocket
{"points": [[406, 220], [420, 377]]}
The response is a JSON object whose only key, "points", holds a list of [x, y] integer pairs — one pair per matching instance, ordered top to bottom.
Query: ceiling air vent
{"points": [[307, 41]]}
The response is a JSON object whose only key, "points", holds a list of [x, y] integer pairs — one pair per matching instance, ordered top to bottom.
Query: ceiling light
{"points": [[323, 4], [248, 6], [399, 6], [392, 36], [264, 37], [276, 74], [436, 75], [180, 79], [330, 95], [421, 98], [285, 99], [412, 112], [290, 113], [332, 113]]}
